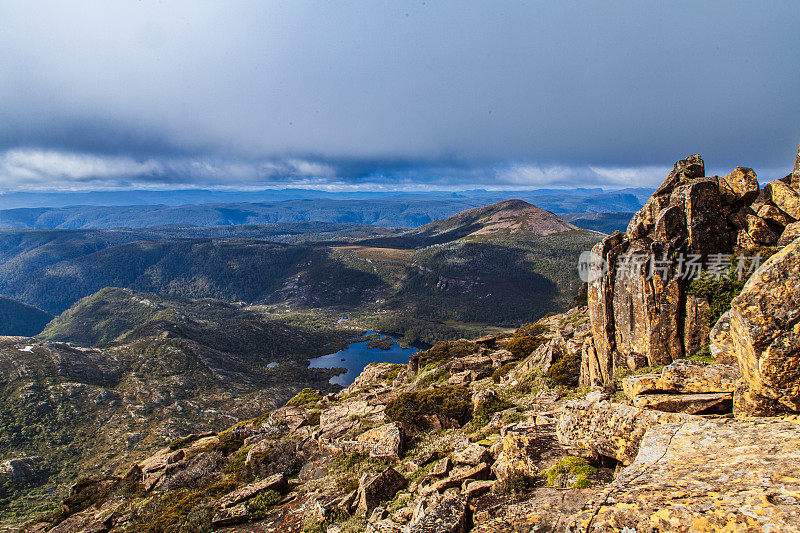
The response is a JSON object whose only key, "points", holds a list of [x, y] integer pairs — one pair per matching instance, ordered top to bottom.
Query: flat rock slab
{"points": [[685, 377], [692, 404], [705, 475]]}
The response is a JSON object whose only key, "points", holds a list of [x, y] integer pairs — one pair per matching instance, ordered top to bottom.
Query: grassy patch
{"points": [[306, 398], [262, 504]]}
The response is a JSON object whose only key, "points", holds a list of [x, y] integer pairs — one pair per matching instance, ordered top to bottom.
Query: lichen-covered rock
{"points": [[740, 185], [784, 197], [770, 213], [760, 231], [790, 234], [765, 328], [721, 341], [684, 376], [633, 386], [747, 403], [693, 404], [348, 415], [602, 428], [385, 441], [472, 455], [515, 463], [705, 475], [458, 476], [376, 488], [230, 516], [449, 516]]}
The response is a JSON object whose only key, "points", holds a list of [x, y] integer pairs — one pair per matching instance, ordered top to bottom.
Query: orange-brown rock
{"points": [[784, 197], [765, 328], [705, 475]]}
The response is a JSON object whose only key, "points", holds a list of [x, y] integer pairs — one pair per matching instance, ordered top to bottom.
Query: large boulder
{"points": [[741, 184], [772, 214], [790, 233], [765, 328], [693, 404], [385, 441], [516, 462], [705, 475], [448, 516]]}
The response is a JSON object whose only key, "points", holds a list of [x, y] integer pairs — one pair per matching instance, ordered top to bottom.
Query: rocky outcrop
{"points": [[639, 303], [636, 306], [765, 329], [705, 475]]}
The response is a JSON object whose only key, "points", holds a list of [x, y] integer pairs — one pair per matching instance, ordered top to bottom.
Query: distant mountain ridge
{"points": [[14, 200], [408, 211]]}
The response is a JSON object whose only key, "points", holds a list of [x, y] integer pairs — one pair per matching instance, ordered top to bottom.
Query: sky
{"points": [[391, 94]]}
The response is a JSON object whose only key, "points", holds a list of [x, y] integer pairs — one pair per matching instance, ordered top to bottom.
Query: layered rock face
{"points": [[640, 308]]}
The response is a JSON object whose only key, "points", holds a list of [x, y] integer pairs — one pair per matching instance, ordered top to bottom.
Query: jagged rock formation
{"points": [[641, 310]]}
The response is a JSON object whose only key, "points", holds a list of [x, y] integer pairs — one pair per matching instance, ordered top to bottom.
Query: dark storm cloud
{"points": [[372, 92]]}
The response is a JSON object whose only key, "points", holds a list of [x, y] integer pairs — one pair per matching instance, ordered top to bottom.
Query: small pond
{"points": [[357, 356]]}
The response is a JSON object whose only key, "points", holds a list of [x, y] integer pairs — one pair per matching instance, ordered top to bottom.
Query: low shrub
{"points": [[721, 290], [446, 351], [565, 372], [435, 375], [450, 401], [487, 408], [563, 471]]}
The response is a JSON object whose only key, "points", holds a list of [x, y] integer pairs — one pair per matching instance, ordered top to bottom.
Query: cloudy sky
{"points": [[384, 94]]}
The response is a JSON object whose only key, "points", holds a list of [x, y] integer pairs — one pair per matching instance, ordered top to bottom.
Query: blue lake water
{"points": [[357, 356]]}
